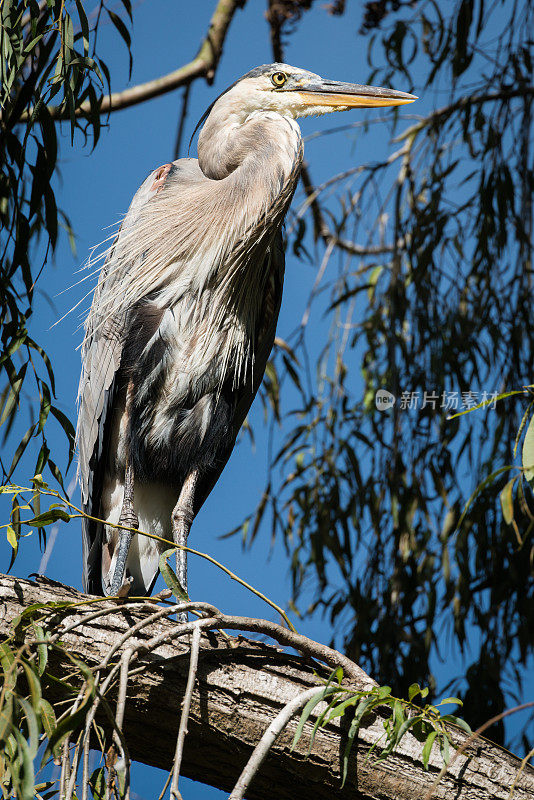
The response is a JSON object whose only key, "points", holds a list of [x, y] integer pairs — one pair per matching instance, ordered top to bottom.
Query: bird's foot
{"points": [[128, 518]]}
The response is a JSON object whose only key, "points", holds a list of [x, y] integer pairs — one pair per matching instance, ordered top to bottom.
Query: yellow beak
{"points": [[337, 94]]}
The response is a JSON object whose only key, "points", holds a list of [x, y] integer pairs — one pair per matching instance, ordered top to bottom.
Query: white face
{"points": [[294, 93], [265, 94]]}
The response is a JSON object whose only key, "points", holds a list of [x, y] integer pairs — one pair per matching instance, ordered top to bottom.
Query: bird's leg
{"points": [[182, 518], [129, 519]]}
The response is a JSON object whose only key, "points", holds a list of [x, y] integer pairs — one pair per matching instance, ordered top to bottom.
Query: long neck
{"points": [[264, 144], [258, 164], [253, 168], [214, 222]]}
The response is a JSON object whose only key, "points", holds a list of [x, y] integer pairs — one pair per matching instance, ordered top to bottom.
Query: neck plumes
{"points": [[257, 165], [253, 168], [208, 232]]}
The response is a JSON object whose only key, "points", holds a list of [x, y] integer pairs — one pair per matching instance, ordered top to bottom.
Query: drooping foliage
{"points": [[48, 56], [426, 261], [431, 301]]}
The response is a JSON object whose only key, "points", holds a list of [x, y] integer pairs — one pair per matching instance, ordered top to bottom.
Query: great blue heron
{"points": [[184, 316]]}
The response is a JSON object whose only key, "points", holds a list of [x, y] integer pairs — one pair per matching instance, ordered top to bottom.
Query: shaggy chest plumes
{"points": [[189, 348], [182, 395]]}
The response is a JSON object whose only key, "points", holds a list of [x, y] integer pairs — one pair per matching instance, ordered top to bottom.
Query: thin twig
{"points": [[465, 102], [181, 124], [321, 227], [318, 278], [111, 609], [174, 609], [282, 635], [193, 663], [123, 686], [119, 715], [268, 739], [524, 762], [65, 769], [85, 771], [65, 790]]}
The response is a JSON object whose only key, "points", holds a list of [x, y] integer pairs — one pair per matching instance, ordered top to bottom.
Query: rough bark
{"points": [[241, 685]]}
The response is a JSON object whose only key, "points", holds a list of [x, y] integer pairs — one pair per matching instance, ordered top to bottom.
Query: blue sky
{"points": [[95, 189]]}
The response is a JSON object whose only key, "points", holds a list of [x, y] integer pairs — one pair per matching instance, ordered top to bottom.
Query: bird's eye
{"points": [[279, 78]]}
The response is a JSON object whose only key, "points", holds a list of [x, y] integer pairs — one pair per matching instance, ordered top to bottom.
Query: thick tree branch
{"points": [[241, 687]]}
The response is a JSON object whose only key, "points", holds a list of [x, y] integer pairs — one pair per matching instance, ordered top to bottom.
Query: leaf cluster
{"points": [[48, 54], [369, 503], [399, 716], [30, 730]]}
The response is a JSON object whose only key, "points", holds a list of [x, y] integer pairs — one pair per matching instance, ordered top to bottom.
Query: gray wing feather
{"points": [[265, 341], [101, 357]]}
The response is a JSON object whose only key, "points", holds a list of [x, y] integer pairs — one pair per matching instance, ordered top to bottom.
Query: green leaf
{"points": [[84, 24], [47, 363], [13, 396], [46, 404], [522, 426], [68, 429], [19, 451], [528, 451], [480, 488], [507, 501], [47, 517], [12, 538], [169, 575], [42, 649], [7, 662], [34, 686], [413, 691], [383, 692], [455, 700], [362, 707], [340, 709], [306, 711], [398, 714], [6, 716], [48, 718], [74, 720], [319, 722], [461, 723], [33, 726], [428, 747], [445, 749], [97, 783], [25, 788]]}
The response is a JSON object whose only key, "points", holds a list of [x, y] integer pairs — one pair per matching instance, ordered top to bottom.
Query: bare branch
{"points": [[193, 664], [268, 739]]}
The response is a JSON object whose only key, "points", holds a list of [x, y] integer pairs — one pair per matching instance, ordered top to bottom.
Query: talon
{"points": [[125, 588]]}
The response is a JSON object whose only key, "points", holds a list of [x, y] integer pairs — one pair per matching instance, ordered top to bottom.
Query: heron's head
{"points": [[294, 93]]}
